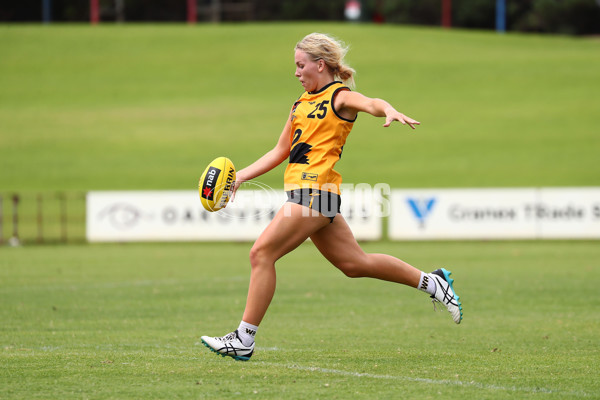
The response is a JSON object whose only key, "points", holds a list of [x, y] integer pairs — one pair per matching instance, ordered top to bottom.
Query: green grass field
{"points": [[147, 106], [114, 321]]}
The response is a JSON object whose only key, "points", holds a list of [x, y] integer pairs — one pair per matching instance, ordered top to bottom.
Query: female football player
{"points": [[312, 139]]}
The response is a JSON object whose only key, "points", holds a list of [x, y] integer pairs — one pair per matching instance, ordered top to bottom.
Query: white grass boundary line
{"points": [[426, 380]]}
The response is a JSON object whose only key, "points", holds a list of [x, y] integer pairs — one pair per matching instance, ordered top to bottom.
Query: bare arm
{"points": [[351, 103]]}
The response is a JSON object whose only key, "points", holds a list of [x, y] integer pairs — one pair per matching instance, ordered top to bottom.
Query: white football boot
{"points": [[444, 293], [229, 345]]}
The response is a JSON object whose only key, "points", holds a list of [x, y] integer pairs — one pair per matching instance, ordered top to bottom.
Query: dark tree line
{"points": [[577, 17]]}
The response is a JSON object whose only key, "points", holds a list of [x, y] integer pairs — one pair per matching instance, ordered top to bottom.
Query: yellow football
{"points": [[216, 184]]}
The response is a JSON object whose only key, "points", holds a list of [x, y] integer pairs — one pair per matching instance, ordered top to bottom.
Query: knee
{"points": [[258, 256], [351, 269]]}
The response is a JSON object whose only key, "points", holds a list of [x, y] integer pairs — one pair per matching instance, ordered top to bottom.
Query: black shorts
{"points": [[327, 203]]}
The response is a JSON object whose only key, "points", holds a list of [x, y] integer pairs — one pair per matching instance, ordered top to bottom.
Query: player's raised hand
{"points": [[398, 116]]}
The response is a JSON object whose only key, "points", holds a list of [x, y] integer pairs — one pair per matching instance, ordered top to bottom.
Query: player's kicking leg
{"points": [[337, 243]]}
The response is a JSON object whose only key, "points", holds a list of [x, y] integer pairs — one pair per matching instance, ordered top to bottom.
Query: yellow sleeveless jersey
{"points": [[317, 138]]}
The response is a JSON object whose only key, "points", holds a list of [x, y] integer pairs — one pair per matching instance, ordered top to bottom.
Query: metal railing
{"points": [[42, 217]]}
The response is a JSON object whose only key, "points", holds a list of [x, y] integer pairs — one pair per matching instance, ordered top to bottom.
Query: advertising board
{"points": [[524, 213], [179, 216]]}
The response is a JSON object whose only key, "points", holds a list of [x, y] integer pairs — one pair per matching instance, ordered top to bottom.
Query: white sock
{"points": [[427, 284], [246, 332]]}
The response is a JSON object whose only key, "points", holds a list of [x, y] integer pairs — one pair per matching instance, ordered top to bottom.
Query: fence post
{"points": [[46, 11], [215, 11], [94, 12], [192, 12], [447, 13], [500, 16], [63, 216], [40, 219], [1, 220], [14, 240]]}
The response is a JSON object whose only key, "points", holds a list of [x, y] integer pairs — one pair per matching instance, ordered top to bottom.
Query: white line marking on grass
{"points": [[268, 348], [426, 380]]}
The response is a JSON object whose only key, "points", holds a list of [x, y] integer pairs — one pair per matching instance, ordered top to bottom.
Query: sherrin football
{"points": [[216, 184]]}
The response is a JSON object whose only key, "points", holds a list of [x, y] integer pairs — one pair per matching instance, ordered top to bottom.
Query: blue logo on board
{"points": [[421, 208]]}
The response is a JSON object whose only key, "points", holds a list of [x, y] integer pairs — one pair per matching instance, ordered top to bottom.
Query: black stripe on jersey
{"points": [[324, 87]]}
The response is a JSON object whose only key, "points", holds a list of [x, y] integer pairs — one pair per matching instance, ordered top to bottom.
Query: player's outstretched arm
{"points": [[354, 102]]}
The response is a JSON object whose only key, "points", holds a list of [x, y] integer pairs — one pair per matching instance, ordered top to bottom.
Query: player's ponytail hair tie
{"points": [[324, 47]]}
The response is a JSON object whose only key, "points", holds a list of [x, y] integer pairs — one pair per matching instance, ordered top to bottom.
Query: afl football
{"points": [[216, 184]]}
